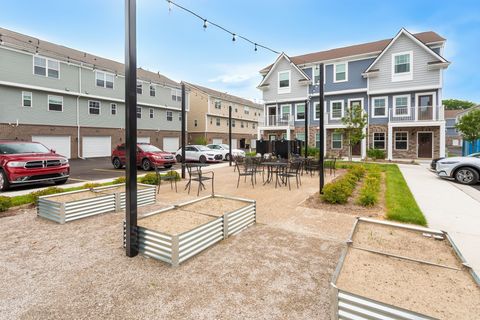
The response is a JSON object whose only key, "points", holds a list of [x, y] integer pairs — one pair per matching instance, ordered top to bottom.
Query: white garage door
{"points": [[143, 139], [217, 141], [234, 143], [61, 144], [170, 144], [100, 146]]}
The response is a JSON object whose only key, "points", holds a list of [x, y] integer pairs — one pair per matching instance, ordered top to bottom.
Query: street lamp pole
{"points": [[183, 129], [306, 129], [230, 134], [321, 172]]}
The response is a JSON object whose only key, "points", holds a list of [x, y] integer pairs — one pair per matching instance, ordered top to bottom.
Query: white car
{"points": [[224, 149], [199, 153], [465, 170]]}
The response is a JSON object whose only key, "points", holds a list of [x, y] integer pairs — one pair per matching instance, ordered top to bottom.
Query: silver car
{"points": [[465, 170]]}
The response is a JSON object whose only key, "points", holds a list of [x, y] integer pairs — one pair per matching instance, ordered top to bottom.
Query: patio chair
{"points": [[238, 159], [330, 163], [311, 166], [247, 170], [293, 170], [196, 174], [171, 176]]}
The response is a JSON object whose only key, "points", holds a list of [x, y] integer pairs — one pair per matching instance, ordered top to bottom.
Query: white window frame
{"points": [[46, 67], [335, 72], [404, 76], [104, 79], [139, 86], [152, 86], [284, 89], [29, 93], [177, 94], [385, 98], [48, 102], [409, 102], [219, 103], [434, 103], [315, 104], [113, 106], [99, 107], [246, 110], [331, 110], [289, 111], [304, 111], [137, 113], [151, 113], [169, 114], [218, 122], [384, 140], [395, 140], [317, 141], [341, 141]]}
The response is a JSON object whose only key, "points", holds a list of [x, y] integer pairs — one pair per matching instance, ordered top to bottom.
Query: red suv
{"points": [[148, 156], [30, 162]]}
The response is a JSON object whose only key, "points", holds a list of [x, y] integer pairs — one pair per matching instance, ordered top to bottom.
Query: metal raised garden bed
{"points": [[73, 205], [175, 248], [349, 305]]}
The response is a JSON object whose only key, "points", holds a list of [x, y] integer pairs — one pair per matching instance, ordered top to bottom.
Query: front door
{"points": [[425, 107], [272, 115], [425, 144], [357, 149]]}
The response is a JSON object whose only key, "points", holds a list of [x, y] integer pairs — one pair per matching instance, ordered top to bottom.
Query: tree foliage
{"points": [[456, 104], [355, 121], [469, 125]]}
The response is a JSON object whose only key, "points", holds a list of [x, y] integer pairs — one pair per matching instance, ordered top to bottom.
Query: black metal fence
{"points": [[280, 148]]}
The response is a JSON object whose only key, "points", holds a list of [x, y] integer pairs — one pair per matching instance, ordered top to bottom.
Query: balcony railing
{"points": [[404, 114], [278, 121]]}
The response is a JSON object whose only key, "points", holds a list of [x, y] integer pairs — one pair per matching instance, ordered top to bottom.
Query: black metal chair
{"points": [[330, 163], [311, 166], [247, 170], [293, 170], [195, 174], [171, 176]]}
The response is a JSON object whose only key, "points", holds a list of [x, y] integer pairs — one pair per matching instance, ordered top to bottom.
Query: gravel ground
{"points": [[280, 268]]}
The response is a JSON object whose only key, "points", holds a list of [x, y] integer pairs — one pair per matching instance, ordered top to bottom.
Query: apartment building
{"points": [[398, 82], [73, 101], [208, 117]]}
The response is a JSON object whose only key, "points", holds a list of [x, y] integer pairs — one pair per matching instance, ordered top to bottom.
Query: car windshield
{"points": [[214, 146], [225, 146], [17, 148], [149, 148], [203, 148], [475, 155]]}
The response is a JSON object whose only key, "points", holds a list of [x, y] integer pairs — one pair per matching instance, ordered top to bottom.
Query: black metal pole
{"points": [[131, 126], [183, 129], [306, 129], [230, 134], [321, 172]]}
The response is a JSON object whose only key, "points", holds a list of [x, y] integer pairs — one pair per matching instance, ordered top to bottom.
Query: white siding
{"points": [[297, 90]]}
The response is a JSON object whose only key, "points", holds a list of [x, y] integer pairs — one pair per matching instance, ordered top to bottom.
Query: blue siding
{"points": [[470, 147]]}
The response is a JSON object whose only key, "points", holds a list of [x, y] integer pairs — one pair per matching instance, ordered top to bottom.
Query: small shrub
{"points": [[200, 140], [311, 151], [251, 154], [376, 154], [358, 171], [171, 173], [149, 178], [119, 180], [91, 185], [45, 192], [336, 193], [368, 195], [5, 203]]}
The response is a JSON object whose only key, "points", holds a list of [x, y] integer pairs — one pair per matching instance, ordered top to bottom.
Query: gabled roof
{"points": [[403, 31], [33, 45], [375, 47], [284, 56], [224, 96], [451, 114]]}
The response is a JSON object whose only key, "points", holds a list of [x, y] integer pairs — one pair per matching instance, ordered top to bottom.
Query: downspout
{"points": [[78, 109]]}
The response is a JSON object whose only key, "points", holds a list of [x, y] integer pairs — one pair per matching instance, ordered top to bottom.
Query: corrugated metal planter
{"points": [[69, 206], [177, 248], [347, 305]]}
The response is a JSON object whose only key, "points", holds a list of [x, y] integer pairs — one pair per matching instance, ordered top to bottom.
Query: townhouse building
{"points": [[398, 82], [73, 101], [208, 117]]}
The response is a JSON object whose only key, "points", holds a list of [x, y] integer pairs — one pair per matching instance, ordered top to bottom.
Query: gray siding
{"points": [[421, 76], [297, 89]]}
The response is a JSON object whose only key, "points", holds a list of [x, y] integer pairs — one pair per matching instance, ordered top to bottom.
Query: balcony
{"points": [[415, 114], [275, 121]]}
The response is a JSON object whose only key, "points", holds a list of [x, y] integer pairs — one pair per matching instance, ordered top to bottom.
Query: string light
{"points": [[205, 21]]}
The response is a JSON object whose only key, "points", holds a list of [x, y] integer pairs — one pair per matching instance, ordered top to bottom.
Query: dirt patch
{"points": [[215, 206], [174, 221], [434, 291]]}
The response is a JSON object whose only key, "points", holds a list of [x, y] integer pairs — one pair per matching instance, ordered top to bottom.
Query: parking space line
{"points": [[108, 170], [81, 180]]}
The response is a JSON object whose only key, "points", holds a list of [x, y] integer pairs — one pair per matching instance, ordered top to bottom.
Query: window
{"points": [[402, 63], [402, 66], [46, 67], [340, 72], [316, 75], [104, 80], [284, 82], [139, 88], [152, 91], [176, 95], [26, 99], [55, 103], [355, 103], [218, 104], [401, 105], [93, 107], [316, 107], [379, 107], [113, 108], [336, 109], [236, 110], [246, 110], [285, 111], [300, 111], [139, 112], [151, 113], [169, 116], [179, 116], [211, 120], [217, 122], [195, 123], [233, 123], [242, 125], [253, 125], [284, 136], [300, 136], [272, 137], [317, 140], [337, 140], [379, 140], [401, 140]]}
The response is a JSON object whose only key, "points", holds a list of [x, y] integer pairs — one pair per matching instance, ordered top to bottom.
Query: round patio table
{"points": [[199, 167], [273, 168]]}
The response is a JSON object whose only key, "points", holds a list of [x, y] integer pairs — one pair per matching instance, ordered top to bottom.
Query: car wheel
{"points": [[227, 157], [179, 158], [202, 159], [117, 164], [146, 165], [167, 166], [466, 176], [58, 182], [4, 184]]}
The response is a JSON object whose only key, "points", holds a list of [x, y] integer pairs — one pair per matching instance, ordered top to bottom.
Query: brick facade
{"points": [[411, 153]]}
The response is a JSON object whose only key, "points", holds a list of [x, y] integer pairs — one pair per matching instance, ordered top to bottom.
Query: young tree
{"points": [[455, 104], [355, 121], [469, 125]]}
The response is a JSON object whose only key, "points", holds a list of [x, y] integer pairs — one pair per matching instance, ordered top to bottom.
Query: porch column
{"points": [[288, 133], [259, 134], [442, 139], [390, 143], [364, 144]]}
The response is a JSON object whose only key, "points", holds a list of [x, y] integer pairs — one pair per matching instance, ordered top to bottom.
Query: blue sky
{"points": [[175, 43]]}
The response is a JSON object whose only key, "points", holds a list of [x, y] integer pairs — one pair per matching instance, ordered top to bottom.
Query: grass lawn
{"points": [[400, 203]]}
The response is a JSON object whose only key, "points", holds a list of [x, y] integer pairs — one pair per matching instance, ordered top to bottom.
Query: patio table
{"points": [[199, 167], [273, 167]]}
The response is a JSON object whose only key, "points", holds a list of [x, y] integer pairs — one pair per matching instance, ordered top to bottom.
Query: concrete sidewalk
{"points": [[449, 207]]}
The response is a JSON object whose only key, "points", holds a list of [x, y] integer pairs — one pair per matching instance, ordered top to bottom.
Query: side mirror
{"points": [[53, 150]]}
